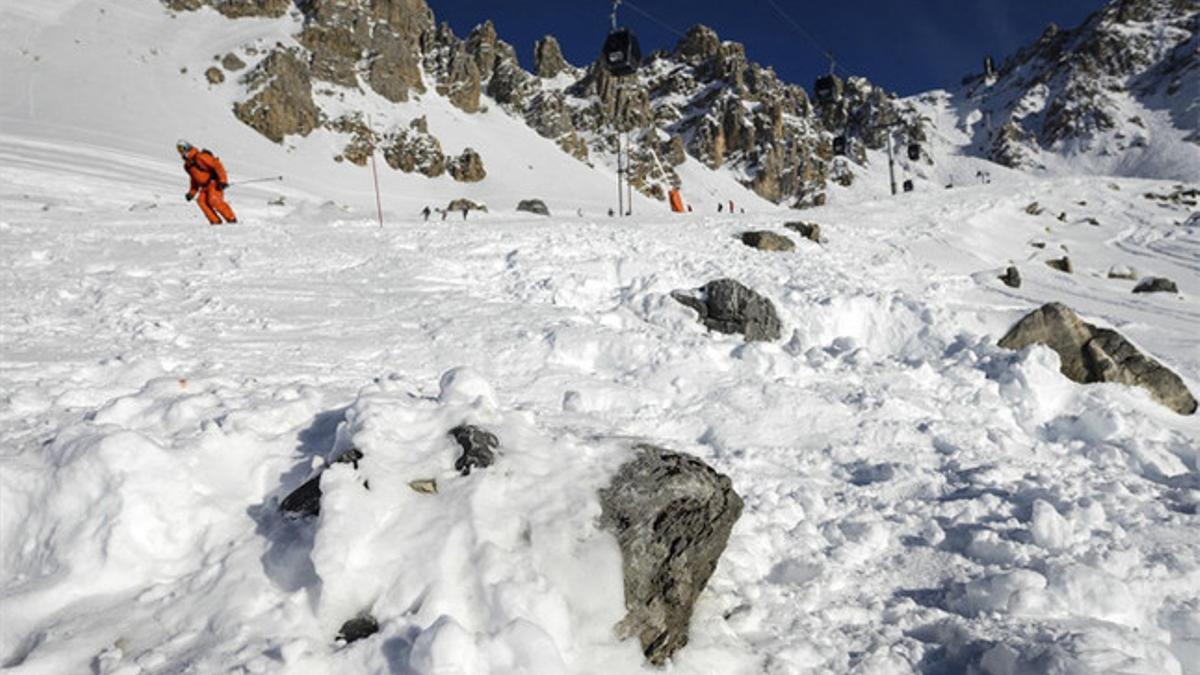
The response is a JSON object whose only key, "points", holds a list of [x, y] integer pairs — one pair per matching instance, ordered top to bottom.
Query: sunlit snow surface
{"points": [[917, 499]]}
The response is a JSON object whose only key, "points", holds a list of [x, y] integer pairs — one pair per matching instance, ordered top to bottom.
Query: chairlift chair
{"points": [[622, 55]]}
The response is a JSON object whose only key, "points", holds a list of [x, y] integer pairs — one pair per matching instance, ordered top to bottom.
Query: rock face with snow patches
{"points": [[281, 101], [727, 306], [1090, 354], [672, 515]]}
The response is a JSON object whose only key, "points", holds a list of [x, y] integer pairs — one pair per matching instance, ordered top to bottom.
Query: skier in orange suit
{"points": [[209, 181]]}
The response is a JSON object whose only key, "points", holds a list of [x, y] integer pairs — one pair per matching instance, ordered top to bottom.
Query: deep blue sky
{"points": [[907, 47]]}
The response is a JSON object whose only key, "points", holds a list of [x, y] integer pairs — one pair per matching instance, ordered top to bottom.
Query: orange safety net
{"points": [[677, 201]]}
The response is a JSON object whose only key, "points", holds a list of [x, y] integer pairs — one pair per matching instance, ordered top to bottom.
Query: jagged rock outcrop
{"points": [[548, 60], [394, 67], [280, 102], [362, 144], [727, 306], [1089, 354], [672, 515]]}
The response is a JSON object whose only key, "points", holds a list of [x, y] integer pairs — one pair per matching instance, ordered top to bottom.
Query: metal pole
{"points": [[891, 161], [620, 171], [628, 171], [378, 200]]}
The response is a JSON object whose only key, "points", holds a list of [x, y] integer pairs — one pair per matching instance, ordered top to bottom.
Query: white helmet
{"points": [[182, 146]]}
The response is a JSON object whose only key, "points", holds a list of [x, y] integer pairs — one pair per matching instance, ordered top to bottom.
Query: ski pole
{"points": [[256, 180]]}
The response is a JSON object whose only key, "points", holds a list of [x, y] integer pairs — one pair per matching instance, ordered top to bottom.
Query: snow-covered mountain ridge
{"points": [[1119, 94]]}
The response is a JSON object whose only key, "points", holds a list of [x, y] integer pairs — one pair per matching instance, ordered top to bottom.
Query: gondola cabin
{"points": [[622, 55], [826, 89], [839, 146], [914, 151], [908, 185]]}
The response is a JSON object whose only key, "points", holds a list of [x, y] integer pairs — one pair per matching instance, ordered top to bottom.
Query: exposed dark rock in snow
{"points": [[232, 62], [214, 75], [533, 206], [1034, 209], [810, 231], [768, 241], [1062, 264], [1011, 277], [1156, 285], [727, 306], [1089, 354], [477, 446], [306, 499], [671, 514], [362, 626]]}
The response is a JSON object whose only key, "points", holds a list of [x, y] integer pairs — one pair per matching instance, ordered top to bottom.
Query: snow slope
{"points": [[917, 499]]}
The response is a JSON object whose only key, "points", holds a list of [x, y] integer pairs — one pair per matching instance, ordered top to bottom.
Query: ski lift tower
{"points": [[621, 56]]}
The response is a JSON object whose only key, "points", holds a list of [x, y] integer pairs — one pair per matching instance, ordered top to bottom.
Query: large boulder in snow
{"points": [[281, 103], [533, 206], [810, 231], [764, 240], [1156, 285], [727, 306], [1090, 354], [477, 445], [671, 514]]}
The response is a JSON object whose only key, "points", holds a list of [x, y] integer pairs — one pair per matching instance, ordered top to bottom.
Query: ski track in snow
{"points": [[916, 498]]}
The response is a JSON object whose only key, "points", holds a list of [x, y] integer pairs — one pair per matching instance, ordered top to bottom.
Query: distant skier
{"points": [[209, 181], [731, 206], [720, 207], [465, 210], [425, 212], [444, 212]]}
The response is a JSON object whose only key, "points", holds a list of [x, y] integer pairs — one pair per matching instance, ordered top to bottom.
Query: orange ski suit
{"points": [[208, 182]]}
